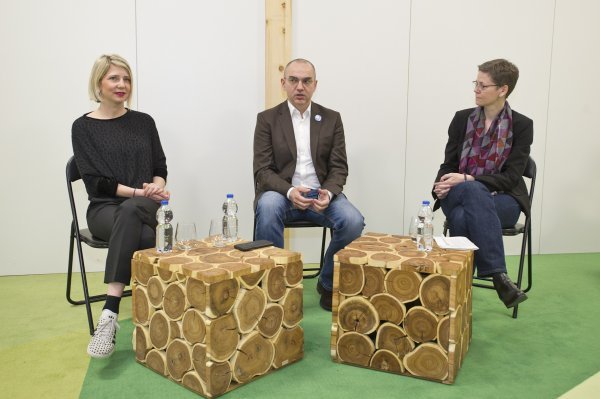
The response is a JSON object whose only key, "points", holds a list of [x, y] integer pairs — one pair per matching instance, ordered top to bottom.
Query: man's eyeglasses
{"points": [[292, 80], [480, 86]]}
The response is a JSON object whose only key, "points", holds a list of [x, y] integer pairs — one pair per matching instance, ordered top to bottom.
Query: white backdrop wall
{"points": [[396, 70]]}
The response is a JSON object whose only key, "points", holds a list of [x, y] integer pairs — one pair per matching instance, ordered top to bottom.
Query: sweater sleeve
{"points": [[159, 160], [96, 184]]}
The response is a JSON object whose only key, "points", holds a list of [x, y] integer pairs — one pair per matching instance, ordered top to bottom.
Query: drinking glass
{"points": [[412, 230], [215, 234], [185, 235]]}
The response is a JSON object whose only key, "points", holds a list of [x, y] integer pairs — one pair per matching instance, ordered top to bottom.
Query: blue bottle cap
{"points": [[229, 195], [164, 202], [425, 202]]}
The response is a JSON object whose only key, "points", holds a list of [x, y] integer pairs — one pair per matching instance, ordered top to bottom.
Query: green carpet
{"points": [[43, 340], [552, 347], [549, 349]]}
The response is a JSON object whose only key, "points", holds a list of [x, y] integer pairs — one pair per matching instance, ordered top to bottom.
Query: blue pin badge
{"points": [[318, 118]]}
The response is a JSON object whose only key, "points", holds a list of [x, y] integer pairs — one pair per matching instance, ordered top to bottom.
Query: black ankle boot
{"points": [[507, 291], [326, 297]]}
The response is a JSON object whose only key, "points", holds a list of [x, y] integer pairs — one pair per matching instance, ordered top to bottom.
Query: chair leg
{"points": [[526, 243], [322, 250], [321, 260], [522, 260], [529, 261], [70, 268], [86, 294], [93, 298]]}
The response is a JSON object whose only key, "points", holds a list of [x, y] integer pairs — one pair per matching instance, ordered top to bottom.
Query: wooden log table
{"points": [[400, 310], [213, 319]]}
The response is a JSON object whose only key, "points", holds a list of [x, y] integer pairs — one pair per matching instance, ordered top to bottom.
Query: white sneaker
{"points": [[102, 343]]}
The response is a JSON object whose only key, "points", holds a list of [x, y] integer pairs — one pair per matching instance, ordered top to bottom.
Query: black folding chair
{"points": [[303, 224], [519, 228], [77, 236]]}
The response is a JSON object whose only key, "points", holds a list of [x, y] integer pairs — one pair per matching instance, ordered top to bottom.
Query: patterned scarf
{"points": [[484, 153]]}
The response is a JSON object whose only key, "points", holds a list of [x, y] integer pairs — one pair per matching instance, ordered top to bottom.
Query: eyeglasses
{"points": [[293, 81], [480, 86]]}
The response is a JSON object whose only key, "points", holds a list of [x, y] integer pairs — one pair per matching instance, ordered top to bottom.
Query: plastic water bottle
{"points": [[230, 219], [425, 227], [164, 229]]}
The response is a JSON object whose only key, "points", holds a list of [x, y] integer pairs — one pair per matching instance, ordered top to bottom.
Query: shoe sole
{"points": [[518, 300], [97, 356]]}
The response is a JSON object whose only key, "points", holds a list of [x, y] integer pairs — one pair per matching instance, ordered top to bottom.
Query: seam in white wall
{"points": [[137, 61], [407, 110], [539, 240]]}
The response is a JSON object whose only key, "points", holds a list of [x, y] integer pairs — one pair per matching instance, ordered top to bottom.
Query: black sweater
{"points": [[123, 150]]}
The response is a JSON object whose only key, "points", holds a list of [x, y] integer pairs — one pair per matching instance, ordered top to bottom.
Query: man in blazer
{"points": [[300, 169]]}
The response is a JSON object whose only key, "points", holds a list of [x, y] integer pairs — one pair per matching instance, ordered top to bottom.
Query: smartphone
{"points": [[313, 194], [248, 246]]}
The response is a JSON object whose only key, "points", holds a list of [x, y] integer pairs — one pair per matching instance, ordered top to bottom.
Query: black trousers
{"points": [[128, 226]]}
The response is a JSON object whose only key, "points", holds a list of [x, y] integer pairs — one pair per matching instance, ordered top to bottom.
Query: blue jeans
{"points": [[273, 209], [473, 212]]}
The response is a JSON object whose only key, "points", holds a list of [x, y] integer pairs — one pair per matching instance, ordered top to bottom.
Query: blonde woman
{"points": [[123, 166]]}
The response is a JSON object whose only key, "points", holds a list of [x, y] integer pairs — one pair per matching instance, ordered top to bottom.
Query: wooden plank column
{"points": [[278, 47], [278, 52]]}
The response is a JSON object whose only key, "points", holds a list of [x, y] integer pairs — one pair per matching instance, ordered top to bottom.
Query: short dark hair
{"points": [[502, 72]]}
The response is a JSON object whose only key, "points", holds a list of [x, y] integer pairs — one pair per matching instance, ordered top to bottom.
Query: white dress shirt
{"points": [[305, 174]]}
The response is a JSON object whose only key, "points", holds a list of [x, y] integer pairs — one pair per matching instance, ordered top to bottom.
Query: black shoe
{"points": [[507, 291], [325, 300]]}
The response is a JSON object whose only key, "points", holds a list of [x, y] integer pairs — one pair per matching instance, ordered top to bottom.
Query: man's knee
{"points": [[270, 204], [351, 219], [355, 222]]}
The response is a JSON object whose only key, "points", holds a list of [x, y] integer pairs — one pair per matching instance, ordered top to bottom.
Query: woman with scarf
{"points": [[480, 185]]}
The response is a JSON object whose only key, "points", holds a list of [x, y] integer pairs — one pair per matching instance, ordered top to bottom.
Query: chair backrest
{"points": [[72, 171], [531, 173], [72, 176]]}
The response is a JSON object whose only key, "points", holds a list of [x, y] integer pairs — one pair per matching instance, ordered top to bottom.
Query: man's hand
{"points": [[298, 200], [322, 203]]}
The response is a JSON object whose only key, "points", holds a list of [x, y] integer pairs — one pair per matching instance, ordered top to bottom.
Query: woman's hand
{"points": [[447, 181], [155, 192]]}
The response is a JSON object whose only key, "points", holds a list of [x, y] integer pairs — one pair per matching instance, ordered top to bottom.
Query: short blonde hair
{"points": [[100, 69]]}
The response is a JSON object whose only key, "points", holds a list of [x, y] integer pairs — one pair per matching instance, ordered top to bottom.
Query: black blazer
{"points": [[510, 179]]}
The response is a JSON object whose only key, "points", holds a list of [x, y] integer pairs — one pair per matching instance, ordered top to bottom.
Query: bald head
{"points": [[300, 60], [299, 83]]}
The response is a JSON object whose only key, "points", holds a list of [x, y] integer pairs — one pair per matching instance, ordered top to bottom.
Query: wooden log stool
{"points": [[400, 310], [213, 319]]}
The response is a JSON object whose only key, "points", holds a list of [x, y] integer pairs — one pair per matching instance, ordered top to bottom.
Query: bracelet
{"points": [[465, 175], [133, 192]]}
